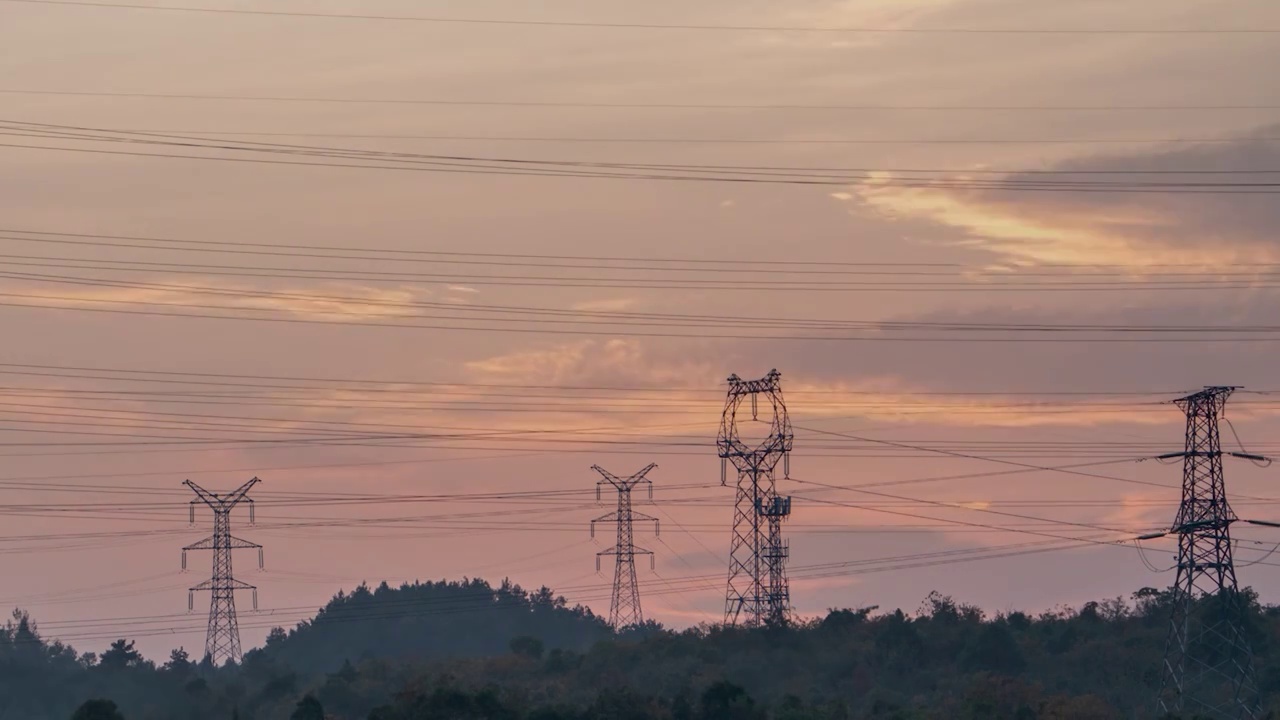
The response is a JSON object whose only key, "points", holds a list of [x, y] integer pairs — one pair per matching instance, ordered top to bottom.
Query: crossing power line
{"points": [[588, 24], [1149, 107], [1242, 181]]}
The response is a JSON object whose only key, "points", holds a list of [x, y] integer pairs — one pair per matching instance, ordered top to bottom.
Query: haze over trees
{"points": [[468, 649]]}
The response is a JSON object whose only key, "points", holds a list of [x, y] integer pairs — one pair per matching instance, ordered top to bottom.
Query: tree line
{"points": [[470, 650]]}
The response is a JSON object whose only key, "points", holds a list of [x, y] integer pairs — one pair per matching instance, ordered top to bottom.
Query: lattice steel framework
{"points": [[757, 592], [624, 609], [222, 641], [1208, 668]]}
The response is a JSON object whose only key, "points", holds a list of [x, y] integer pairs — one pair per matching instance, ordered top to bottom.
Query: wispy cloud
{"points": [[1143, 231], [345, 302], [606, 305]]}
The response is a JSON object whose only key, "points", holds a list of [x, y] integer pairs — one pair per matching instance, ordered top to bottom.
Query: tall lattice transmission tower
{"points": [[757, 592], [624, 609], [222, 642], [1208, 667]]}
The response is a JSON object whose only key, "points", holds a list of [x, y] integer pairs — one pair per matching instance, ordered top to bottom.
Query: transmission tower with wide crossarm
{"points": [[757, 592], [624, 610], [222, 642], [1208, 667]]}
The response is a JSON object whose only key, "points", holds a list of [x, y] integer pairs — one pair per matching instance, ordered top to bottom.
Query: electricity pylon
{"points": [[757, 586], [624, 609], [222, 642], [1208, 667]]}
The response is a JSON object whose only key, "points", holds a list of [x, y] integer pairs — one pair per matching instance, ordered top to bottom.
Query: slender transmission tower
{"points": [[757, 592], [624, 610], [222, 643], [1208, 666]]}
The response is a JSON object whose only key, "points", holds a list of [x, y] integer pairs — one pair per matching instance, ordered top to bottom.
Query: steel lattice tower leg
{"points": [[757, 592], [624, 608], [222, 641], [1208, 668]]}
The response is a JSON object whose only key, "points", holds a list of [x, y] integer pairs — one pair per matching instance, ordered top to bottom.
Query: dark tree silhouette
{"points": [[120, 655], [308, 708], [97, 710]]}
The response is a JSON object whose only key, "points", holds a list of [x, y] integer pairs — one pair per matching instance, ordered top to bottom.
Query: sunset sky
{"points": [[395, 343]]}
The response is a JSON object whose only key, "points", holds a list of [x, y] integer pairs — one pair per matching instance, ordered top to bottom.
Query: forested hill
{"points": [[430, 621], [404, 628], [445, 651]]}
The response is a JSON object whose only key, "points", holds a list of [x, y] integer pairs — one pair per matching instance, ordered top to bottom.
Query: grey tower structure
{"points": [[757, 592], [624, 608], [222, 641], [1208, 667]]}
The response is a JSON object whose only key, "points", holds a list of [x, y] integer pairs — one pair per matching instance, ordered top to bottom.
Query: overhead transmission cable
{"points": [[588, 24], [1147, 107], [364, 159]]}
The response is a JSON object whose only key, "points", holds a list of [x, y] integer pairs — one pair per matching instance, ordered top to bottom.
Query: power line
{"points": [[658, 26], [636, 106], [72, 132], [718, 140], [624, 171], [915, 178], [1246, 188], [515, 259], [1155, 282], [241, 314], [615, 319], [400, 384], [970, 456], [402, 607]]}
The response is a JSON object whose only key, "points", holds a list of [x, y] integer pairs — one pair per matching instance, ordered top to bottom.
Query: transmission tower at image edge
{"points": [[757, 592], [624, 609], [222, 642], [1208, 668]]}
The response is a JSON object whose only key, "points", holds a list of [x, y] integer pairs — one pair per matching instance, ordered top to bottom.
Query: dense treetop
{"points": [[447, 650]]}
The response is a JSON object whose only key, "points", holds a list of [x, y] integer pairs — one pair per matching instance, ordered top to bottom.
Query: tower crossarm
{"points": [[620, 483], [203, 495], [239, 495], [609, 517], [642, 517], [233, 542], [205, 544], [238, 544], [634, 550], [228, 584]]}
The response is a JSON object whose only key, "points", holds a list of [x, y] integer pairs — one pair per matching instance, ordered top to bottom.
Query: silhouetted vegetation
{"points": [[453, 651]]}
